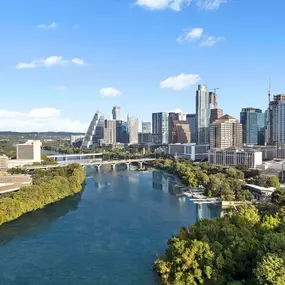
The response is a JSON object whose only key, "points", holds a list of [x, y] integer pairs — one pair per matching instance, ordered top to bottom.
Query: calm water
{"points": [[107, 235]]}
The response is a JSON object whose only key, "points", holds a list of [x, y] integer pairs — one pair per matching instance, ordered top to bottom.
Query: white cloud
{"points": [[210, 4], [175, 5], [48, 27], [191, 35], [210, 41], [49, 62], [180, 81], [109, 92], [42, 119]]}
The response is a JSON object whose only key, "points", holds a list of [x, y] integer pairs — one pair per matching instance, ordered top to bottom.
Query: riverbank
{"points": [[49, 186]]}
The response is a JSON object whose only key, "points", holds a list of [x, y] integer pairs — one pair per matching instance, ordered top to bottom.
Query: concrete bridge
{"points": [[97, 162]]}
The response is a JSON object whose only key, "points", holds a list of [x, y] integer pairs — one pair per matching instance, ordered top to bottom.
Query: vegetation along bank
{"points": [[48, 187]]}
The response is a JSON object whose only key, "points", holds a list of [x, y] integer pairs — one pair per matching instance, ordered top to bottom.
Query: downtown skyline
{"points": [[145, 57]]}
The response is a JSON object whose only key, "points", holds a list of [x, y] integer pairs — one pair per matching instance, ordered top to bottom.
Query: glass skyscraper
{"points": [[203, 112], [191, 119], [252, 121], [160, 127]]}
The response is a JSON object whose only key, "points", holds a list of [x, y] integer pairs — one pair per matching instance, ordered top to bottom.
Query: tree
{"points": [[273, 181], [278, 197]]}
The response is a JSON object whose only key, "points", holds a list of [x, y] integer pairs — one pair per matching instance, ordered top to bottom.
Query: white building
{"points": [[133, 127], [31, 150], [189, 150], [234, 157]]}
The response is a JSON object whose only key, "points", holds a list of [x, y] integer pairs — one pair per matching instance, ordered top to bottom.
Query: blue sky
{"points": [[57, 55]]}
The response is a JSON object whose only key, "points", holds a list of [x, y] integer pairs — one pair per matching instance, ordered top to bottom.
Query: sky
{"points": [[63, 60]]}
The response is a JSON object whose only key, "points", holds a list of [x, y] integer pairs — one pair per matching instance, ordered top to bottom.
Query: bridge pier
{"points": [[113, 166]]}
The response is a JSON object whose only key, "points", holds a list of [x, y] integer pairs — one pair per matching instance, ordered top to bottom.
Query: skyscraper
{"points": [[213, 100], [116, 113], [215, 114], [202, 115], [172, 117], [191, 119], [252, 121], [133, 125], [146, 127], [160, 128], [95, 132], [110, 132], [181, 132], [226, 132], [122, 133]]}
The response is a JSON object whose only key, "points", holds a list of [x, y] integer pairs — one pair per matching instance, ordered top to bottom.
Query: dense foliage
{"points": [[7, 148], [48, 186], [243, 247]]}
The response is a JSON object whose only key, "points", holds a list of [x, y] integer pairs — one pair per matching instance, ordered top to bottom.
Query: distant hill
{"points": [[39, 134]]}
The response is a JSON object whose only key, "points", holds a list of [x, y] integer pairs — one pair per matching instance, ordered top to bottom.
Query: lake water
{"points": [[107, 235]]}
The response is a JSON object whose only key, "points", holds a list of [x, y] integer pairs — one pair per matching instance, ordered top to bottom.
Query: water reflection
{"points": [[208, 211], [34, 222]]}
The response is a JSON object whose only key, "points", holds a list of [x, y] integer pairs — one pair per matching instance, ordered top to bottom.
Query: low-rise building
{"points": [[31, 150], [235, 157], [3, 162], [260, 193]]}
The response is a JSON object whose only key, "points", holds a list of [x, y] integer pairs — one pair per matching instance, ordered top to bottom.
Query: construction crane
{"points": [[215, 89]]}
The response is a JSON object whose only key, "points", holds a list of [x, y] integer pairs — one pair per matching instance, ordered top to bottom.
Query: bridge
{"points": [[97, 162]]}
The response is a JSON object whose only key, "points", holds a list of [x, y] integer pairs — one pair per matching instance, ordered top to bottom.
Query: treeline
{"points": [[226, 183], [48, 186], [246, 246]]}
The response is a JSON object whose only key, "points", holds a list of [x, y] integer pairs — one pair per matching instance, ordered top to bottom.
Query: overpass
{"points": [[97, 162]]}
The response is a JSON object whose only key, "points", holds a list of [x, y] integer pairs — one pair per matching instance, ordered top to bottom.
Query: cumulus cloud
{"points": [[210, 4], [175, 5], [48, 27], [191, 35], [210, 41], [49, 62], [180, 82], [109, 92], [42, 119]]}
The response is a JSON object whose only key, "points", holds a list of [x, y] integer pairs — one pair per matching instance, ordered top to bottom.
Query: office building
{"points": [[213, 100], [116, 112], [216, 114], [202, 115], [172, 117], [191, 119], [277, 120], [252, 121], [133, 126], [146, 127], [160, 128], [95, 132], [110, 132], [181, 132], [226, 132], [122, 133], [145, 138], [76, 139], [31, 150], [189, 151], [234, 157], [3, 162]]}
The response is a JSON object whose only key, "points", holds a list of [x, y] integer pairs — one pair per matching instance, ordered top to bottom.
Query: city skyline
{"points": [[98, 55]]}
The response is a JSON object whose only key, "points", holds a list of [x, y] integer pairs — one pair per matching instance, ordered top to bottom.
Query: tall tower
{"points": [[116, 112], [202, 115], [133, 125], [160, 128]]}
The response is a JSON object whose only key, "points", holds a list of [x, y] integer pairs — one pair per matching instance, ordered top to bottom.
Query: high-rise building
{"points": [[213, 100], [116, 112], [216, 114], [202, 115], [172, 117], [191, 119], [277, 120], [252, 121], [133, 126], [146, 127], [160, 128], [95, 132], [110, 132], [181, 132], [226, 132], [122, 133], [145, 138], [31, 150]]}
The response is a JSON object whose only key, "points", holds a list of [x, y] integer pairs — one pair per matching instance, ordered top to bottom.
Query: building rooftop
{"points": [[224, 119]]}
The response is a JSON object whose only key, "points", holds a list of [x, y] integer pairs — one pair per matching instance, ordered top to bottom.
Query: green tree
{"points": [[273, 181], [278, 197]]}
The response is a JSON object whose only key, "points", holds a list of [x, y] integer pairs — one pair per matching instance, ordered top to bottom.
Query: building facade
{"points": [[213, 100], [116, 112], [216, 114], [202, 115], [191, 119], [252, 121], [146, 127], [133, 128], [160, 128], [95, 132], [110, 132], [122, 132], [181, 132], [226, 132], [145, 138], [31, 150], [235, 157], [3, 162]]}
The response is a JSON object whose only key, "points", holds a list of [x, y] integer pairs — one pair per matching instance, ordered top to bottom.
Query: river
{"points": [[107, 235]]}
